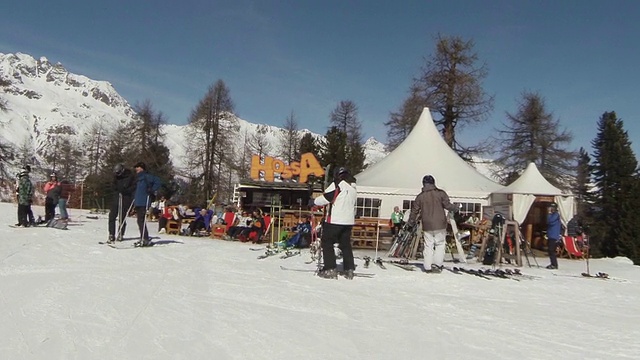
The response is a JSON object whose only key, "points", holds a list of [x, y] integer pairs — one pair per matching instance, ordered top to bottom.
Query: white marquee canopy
{"points": [[424, 152], [530, 184]]}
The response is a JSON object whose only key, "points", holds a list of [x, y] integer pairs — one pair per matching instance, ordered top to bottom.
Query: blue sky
{"points": [[305, 56]]}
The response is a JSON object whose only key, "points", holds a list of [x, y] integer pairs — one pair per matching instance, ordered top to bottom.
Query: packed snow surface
{"points": [[64, 296]]}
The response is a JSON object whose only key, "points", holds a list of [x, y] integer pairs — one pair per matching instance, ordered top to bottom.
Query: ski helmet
{"points": [[118, 169], [23, 172], [341, 173], [428, 179], [553, 205]]}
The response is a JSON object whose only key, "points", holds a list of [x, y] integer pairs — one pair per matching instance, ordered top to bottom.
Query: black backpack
{"points": [[490, 252]]}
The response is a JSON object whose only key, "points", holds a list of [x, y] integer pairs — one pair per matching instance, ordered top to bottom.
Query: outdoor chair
{"points": [[571, 248]]}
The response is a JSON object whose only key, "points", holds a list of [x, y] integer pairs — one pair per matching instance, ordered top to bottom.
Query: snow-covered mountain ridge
{"points": [[45, 99]]}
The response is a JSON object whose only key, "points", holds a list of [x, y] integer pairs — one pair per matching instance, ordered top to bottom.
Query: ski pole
{"points": [[119, 217], [124, 218], [144, 223]]}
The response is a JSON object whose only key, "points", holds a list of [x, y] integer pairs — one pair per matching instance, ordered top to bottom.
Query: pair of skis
{"points": [[287, 253], [378, 261], [356, 274]]}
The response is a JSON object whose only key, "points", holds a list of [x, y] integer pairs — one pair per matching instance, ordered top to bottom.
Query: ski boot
{"points": [[119, 238], [111, 239], [143, 243], [367, 260], [435, 269], [328, 274], [348, 274]]}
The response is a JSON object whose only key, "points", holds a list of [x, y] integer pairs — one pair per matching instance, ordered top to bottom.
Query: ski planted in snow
{"points": [[456, 238]]}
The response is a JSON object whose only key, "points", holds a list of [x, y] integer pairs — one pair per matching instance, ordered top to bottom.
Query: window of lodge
{"points": [[368, 207], [469, 209]]}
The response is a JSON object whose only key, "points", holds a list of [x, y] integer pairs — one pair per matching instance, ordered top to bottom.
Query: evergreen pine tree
{"points": [[345, 118], [148, 141], [308, 144], [332, 149], [615, 178], [581, 185]]}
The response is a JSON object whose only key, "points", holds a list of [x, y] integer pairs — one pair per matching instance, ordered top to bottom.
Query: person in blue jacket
{"points": [[147, 185], [202, 221], [303, 234], [553, 234]]}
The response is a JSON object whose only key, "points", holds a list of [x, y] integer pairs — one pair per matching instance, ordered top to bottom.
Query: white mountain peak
{"points": [[44, 99]]}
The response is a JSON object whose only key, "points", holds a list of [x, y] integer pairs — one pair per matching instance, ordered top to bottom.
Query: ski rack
{"points": [[456, 233], [516, 239]]}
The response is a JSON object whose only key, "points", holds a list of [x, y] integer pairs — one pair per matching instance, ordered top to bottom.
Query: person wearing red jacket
{"points": [[53, 190]]}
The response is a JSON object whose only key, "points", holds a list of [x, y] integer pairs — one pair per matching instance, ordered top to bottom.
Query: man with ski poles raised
{"points": [[147, 185], [123, 186]]}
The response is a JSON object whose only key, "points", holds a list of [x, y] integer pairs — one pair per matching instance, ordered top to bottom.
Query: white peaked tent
{"points": [[399, 175], [530, 184]]}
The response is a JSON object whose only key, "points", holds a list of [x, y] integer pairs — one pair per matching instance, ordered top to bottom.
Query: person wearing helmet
{"points": [[26, 170], [147, 185], [123, 186], [53, 190], [25, 193], [340, 196], [430, 205], [553, 235]]}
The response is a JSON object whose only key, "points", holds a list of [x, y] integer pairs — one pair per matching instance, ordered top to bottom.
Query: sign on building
{"points": [[269, 166]]}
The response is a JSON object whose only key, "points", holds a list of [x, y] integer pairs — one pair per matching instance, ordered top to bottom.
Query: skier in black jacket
{"points": [[123, 187]]}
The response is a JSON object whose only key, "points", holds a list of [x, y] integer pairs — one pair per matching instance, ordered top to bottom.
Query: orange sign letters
{"points": [[269, 166]]}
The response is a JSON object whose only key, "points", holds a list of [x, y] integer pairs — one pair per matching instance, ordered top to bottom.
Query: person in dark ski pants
{"points": [[124, 184], [146, 185], [53, 190], [25, 193], [341, 197], [32, 221], [553, 235]]}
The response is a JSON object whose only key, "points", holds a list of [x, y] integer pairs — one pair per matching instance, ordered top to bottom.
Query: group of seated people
{"points": [[200, 219], [240, 225], [244, 227]]}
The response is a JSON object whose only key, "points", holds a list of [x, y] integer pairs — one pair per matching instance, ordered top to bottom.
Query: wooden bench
{"points": [[173, 227], [367, 232]]}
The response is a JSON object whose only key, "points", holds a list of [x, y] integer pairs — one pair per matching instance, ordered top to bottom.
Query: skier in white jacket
{"points": [[340, 196]]}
